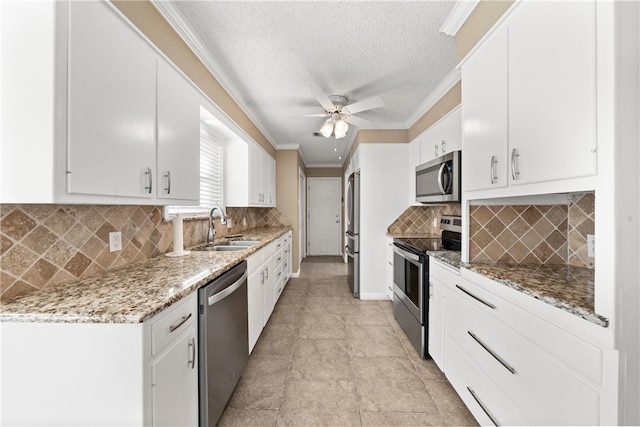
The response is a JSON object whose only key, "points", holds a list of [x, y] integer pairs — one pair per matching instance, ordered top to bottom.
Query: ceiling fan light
{"points": [[327, 128], [341, 129]]}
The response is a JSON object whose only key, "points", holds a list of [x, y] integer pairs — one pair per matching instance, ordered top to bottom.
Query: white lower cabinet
{"points": [[389, 267], [438, 274], [267, 277], [255, 284], [510, 364], [174, 366], [103, 373]]}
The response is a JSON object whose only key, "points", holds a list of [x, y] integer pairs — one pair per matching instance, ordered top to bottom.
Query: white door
{"points": [[302, 209], [324, 216]]}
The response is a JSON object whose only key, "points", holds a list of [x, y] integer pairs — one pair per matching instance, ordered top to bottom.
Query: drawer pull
{"points": [[488, 304], [182, 322], [192, 344], [493, 353], [484, 409]]}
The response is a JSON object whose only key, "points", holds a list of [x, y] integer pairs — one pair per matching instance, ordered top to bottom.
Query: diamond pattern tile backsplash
{"points": [[418, 221], [534, 234], [47, 245]]}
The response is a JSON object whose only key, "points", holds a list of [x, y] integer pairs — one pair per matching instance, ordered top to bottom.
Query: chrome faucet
{"points": [[212, 230]]}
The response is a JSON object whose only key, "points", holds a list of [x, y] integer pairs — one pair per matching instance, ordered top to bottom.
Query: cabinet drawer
{"points": [[255, 261], [278, 288], [169, 324], [576, 353], [540, 387], [484, 399]]}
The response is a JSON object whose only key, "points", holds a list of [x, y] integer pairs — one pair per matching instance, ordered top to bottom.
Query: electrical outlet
{"points": [[229, 223], [115, 241], [591, 245]]}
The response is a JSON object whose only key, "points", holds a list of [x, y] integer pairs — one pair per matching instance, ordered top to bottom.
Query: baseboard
{"points": [[296, 274], [381, 296]]}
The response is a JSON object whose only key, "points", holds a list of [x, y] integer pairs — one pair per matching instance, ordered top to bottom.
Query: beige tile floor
{"points": [[325, 358]]}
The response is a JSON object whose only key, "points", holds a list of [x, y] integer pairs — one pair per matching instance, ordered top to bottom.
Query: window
{"points": [[211, 176]]}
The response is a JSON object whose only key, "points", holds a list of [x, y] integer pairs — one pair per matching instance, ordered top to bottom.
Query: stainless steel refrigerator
{"points": [[353, 232]]}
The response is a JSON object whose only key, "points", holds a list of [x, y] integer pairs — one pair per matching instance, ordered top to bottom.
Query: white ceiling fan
{"points": [[340, 113]]}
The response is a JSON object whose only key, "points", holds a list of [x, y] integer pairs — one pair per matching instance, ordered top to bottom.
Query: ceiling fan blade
{"points": [[324, 101], [367, 104], [311, 115], [357, 121]]}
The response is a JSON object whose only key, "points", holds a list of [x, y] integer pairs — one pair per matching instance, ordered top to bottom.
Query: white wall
{"points": [[384, 195]]}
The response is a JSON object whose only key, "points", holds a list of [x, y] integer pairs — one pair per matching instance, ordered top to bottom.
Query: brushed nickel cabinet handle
{"points": [[514, 164], [493, 169], [168, 176], [150, 187], [488, 304], [182, 322], [192, 344], [493, 353], [484, 408]]}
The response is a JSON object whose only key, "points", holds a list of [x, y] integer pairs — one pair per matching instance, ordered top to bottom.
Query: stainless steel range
{"points": [[411, 280]]}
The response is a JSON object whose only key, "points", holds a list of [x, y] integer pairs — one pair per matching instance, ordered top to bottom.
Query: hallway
{"points": [[325, 358]]}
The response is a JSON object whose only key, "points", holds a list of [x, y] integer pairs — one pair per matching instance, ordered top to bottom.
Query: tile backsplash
{"points": [[422, 220], [533, 234], [47, 245]]}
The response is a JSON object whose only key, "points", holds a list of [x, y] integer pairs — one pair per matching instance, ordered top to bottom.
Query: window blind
{"points": [[211, 177]]}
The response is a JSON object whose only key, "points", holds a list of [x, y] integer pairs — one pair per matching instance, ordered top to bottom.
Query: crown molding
{"points": [[458, 16], [176, 19], [443, 87], [288, 146], [324, 165]]}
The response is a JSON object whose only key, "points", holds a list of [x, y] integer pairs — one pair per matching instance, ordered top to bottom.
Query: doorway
{"points": [[302, 211], [323, 216]]}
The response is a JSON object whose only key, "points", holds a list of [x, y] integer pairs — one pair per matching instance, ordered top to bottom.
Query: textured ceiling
{"points": [[275, 54]]}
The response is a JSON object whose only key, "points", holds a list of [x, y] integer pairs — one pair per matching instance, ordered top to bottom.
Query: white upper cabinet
{"points": [[552, 90], [529, 102], [484, 104], [111, 105], [119, 121], [178, 136], [443, 137], [251, 176]]}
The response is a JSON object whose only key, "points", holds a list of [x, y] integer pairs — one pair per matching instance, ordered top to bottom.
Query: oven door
{"points": [[408, 281]]}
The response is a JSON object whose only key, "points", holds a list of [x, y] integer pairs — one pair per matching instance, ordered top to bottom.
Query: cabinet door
{"points": [[552, 90], [111, 105], [484, 115], [451, 132], [178, 136], [429, 145], [414, 160], [255, 177], [271, 181], [268, 289], [256, 307], [436, 322], [174, 377]]}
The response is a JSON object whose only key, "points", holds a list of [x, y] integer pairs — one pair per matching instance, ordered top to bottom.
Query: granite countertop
{"points": [[451, 258], [566, 287], [134, 293]]}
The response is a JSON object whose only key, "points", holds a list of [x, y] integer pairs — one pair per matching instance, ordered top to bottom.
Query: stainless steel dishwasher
{"points": [[223, 334]]}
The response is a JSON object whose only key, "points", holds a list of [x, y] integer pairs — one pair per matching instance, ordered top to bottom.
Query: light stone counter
{"points": [[563, 286], [134, 293]]}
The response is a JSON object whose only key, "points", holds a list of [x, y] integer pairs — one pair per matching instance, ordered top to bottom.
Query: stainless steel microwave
{"points": [[439, 180]]}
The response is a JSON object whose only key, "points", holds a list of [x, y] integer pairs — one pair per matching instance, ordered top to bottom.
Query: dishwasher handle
{"points": [[227, 291]]}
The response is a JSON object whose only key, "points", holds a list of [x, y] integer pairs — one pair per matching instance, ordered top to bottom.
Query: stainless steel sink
{"points": [[245, 243], [219, 248]]}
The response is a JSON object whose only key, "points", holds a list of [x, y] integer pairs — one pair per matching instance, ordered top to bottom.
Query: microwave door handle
{"points": [[442, 167]]}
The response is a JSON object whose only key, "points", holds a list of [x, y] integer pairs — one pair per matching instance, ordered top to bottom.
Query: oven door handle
{"points": [[350, 253], [405, 254]]}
